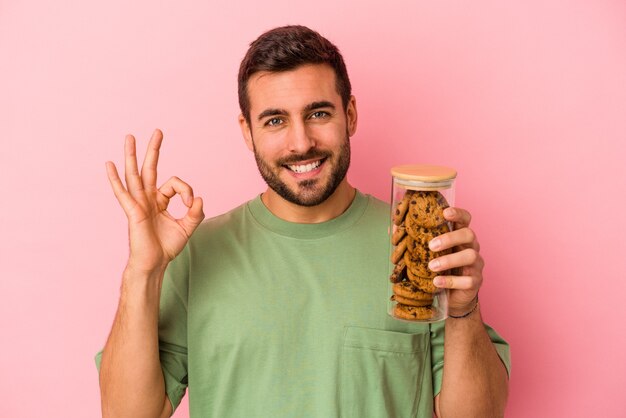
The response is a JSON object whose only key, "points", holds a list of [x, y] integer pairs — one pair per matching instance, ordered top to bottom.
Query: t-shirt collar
{"points": [[268, 220]]}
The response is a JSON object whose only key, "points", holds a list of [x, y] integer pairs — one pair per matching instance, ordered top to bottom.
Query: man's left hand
{"points": [[465, 260]]}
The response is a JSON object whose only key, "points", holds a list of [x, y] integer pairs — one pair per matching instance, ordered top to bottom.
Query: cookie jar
{"points": [[419, 194]]}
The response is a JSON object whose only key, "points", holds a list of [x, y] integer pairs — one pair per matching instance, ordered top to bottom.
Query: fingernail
{"points": [[449, 212], [434, 244], [434, 265], [439, 281]]}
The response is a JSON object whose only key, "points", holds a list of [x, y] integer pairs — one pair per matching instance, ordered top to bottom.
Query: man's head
{"points": [[286, 48], [297, 114]]}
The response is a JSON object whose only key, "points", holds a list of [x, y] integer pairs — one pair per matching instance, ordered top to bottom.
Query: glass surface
{"points": [[416, 217]]}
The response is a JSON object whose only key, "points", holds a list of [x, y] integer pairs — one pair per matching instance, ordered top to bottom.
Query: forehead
{"points": [[292, 90]]}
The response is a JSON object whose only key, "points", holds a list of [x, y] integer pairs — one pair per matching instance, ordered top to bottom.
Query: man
{"points": [[278, 307]]}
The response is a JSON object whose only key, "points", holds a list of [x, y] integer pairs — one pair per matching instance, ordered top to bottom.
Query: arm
{"points": [[131, 380], [475, 382]]}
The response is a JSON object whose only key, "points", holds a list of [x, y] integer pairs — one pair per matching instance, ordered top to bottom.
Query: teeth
{"points": [[305, 168]]}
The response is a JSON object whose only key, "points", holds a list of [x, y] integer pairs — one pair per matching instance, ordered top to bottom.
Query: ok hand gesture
{"points": [[155, 236]]}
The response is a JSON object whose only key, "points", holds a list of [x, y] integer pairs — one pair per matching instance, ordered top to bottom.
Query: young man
{"points": [[277, 308]]}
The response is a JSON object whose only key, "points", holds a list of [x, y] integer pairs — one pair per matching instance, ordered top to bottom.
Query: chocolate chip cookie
{"points": [[402, 208], [426, 208], [422, 283], [408, 294], [414, 312]]}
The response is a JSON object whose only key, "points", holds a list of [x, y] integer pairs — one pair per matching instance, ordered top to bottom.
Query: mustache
{"points": [[310, 155]]}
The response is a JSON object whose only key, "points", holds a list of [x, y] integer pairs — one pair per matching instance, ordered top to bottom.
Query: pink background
{"points": [[526, 99]]}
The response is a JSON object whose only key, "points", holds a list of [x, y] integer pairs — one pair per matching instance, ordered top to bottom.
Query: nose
{"points": [[300, 139]]}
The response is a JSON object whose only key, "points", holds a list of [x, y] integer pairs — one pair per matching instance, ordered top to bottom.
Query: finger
{"points": [[151, 160], [133, 181], [175, 186], [122, 195], [193, 217], [460, 217], [460, 237], [474, 245], [467, 257], [473, 271], [456, 282]]}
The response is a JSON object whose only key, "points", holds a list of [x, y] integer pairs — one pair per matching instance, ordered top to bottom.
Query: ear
{"points": [[352, 116], [246, 132]]}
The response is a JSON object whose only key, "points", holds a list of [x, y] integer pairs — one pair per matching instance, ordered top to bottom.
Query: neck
{"points": [[329, 209]]}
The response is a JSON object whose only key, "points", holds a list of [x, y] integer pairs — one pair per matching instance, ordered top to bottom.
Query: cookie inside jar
{"points": [[420, 193]]}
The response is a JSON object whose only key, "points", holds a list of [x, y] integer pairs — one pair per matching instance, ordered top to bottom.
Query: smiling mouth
{"points": [[305, 168]]}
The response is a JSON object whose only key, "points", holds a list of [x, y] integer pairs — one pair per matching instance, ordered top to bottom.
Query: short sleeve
{"points": [[437, 332]]}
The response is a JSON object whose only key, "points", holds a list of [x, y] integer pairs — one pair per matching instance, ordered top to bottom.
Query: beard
{"points": [[310, 192]]}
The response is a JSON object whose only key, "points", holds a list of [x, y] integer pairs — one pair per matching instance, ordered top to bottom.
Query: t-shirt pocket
{"points": [[382, 373]]}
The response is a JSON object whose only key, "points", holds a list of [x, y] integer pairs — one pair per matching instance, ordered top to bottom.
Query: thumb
{"points": [[193, 217]]}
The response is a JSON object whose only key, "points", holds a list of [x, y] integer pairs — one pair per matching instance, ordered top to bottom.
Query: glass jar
{"points": [[419, 194]]}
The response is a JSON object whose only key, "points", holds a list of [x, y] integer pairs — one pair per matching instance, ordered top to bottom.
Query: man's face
{"points": [[299, 132]]}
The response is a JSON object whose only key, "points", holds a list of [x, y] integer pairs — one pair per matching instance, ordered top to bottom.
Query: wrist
{"points": [[135, 268], [135, 277], [466, 311]]}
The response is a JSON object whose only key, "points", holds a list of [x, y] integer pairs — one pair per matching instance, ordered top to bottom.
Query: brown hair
{"points": [[286, 48]]}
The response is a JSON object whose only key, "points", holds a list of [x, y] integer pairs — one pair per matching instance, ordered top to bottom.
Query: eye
{"points": [[320, 114], [273, 122]]}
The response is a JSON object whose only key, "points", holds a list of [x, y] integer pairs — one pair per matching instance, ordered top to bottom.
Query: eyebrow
{"points": [[318, 105], [308, 108], [271, 112]]}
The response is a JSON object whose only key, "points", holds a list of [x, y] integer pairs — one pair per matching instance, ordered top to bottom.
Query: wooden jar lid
{"points": [[423, 172], [423, 176]]}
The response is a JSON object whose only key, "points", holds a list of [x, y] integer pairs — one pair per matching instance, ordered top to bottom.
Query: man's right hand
{"points": [[156, 237], [131, 379]]}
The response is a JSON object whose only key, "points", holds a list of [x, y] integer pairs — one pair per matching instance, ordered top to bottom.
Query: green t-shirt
{"points": [[265, 318]]}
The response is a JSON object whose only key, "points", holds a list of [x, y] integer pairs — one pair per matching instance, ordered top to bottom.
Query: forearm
{"points": [[131, 380], [475, 381]]}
